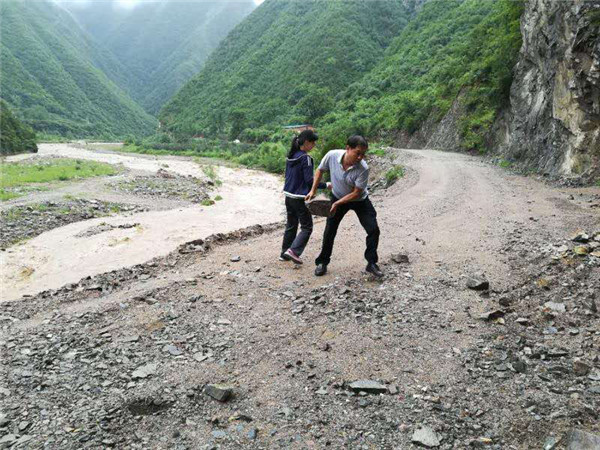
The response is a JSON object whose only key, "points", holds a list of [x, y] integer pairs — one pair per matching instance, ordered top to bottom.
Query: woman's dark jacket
{"points": [[299, 175]]}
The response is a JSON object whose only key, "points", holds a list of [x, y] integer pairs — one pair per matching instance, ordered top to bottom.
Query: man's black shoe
{"points": [[321, 270], [374, 270]]}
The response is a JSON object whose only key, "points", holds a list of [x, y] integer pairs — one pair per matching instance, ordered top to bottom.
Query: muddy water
{"points": [[59, 257]]}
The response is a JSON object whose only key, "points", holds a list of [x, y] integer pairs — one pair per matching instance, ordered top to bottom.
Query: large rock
{"points": [[319, 206], [478, 283], [144, 371], [372, 387], [219, 392], [426, 437], [581, 440]]}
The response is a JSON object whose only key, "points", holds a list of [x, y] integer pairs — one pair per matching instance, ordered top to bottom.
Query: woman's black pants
{"points": [[297, 212]]}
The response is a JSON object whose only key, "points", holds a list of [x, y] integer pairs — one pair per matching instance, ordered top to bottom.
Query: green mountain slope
{"points": [[161, 43], [452, 51], [286, 61], [54, 75], [15, 137]]}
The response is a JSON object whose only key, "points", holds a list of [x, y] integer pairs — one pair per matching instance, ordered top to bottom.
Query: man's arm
{"points": [[315, 186], [354, 195]]}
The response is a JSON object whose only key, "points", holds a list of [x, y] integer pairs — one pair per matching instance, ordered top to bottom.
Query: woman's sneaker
{"points": [[291, 256], [282, 257]]}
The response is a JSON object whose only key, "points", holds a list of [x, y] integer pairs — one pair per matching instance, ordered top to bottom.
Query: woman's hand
{"points": [[310, 196]]}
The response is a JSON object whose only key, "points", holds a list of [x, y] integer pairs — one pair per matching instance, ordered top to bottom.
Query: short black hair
{"points": [[357, 141]]}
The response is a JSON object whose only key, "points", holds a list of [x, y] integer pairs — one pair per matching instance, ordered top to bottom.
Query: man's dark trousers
{"points": [[368, 219]]}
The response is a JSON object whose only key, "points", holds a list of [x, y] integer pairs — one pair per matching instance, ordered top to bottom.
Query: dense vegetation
{"points": [[162, 44], [451, 49], [284, 62], [53, 74], [15, 136], [268, 155]]}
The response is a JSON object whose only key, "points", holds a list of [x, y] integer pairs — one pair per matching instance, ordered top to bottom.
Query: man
{"points": [[349, 178]]}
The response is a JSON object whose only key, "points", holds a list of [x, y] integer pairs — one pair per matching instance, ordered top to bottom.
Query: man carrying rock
{"points": [[349, 178]]}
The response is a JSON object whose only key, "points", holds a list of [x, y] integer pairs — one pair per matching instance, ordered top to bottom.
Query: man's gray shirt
{"points": [[343, 181]]}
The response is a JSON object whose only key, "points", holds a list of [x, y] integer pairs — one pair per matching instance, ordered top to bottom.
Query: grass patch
{"points": [[377, 152], [505, 164], [61, 169], [211, 173], [392, 175], [7, 195], [218, 198], [207, 202]]}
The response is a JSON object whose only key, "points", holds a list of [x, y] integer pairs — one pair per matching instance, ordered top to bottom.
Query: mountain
{"points": [[162, 43], [285, 62], [452, 65], [54, 75], [15, 137]]}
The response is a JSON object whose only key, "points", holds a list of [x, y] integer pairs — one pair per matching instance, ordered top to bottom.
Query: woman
{"points": [[298, 182]]}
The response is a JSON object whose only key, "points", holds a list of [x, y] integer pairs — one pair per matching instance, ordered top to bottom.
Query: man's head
{"points": [[356, 148]]}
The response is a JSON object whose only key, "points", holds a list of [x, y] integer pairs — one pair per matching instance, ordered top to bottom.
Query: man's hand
{"points": [[329, 185], [310, 196], [334, 207]]}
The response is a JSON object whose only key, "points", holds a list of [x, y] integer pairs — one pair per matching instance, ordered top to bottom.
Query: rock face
{"points": [[554, 119]]}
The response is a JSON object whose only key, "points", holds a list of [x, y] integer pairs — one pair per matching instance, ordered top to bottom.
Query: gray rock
{"points": [[319, 206], [580, 237], [235, 258], [400, 258], [478, 283], [555, 307], [492, 315], [172, 350], [519, 366], [580, 368], [144, 371], [372, 387], [219, 392], [363, 403], [4, 420], [252, 433], [218, 434], [426, 436], [8, 440], [582, 440], [551, 443]]}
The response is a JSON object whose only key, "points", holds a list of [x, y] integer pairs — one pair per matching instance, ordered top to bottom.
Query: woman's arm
{"points": [[315, 185]]}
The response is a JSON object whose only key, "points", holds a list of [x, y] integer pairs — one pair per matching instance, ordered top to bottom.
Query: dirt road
{"points": [[122, 355]]}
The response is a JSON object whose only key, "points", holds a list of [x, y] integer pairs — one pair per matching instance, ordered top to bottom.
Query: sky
{"points": [[127, 4]]}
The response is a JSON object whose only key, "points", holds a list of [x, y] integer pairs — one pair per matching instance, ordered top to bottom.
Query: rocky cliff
{"points": [[554, 119]]}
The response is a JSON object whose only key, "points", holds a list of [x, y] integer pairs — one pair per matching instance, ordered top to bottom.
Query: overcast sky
{"points": [[129, 4]]}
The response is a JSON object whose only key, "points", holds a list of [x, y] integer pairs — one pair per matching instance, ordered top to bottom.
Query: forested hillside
{"points": [[162, 44], [452, 52], [285, 62], [54, 75], [15, 136]]}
